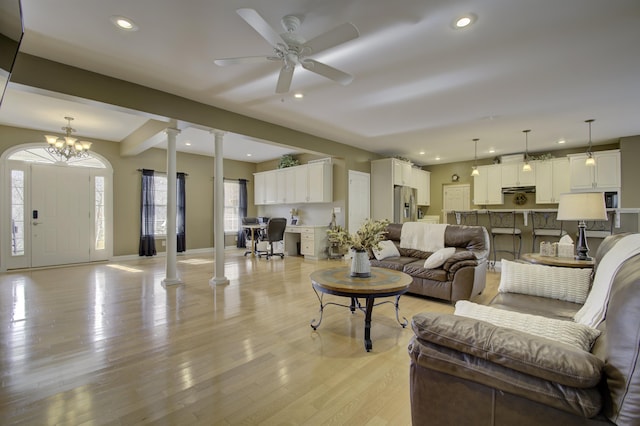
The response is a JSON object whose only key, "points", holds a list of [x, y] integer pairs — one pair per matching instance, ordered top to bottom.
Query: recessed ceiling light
{"points": [[464, 21], [124, 23], [298, 96], [561, 141], [188, 143], [491, 150], [421, 153], [249, 155], [437, 158]]}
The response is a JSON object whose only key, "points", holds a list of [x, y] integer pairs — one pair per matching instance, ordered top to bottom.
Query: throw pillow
{"points": [[385, 249], [438, 258], [568, 284], [571, 333]]}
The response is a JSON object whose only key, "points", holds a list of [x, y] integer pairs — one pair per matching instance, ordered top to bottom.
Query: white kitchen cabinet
{"points": [[402, 172], [385, 174], [512, 175], [605, 175], [552, 179], [319, 182], [301, 183], [308, 183], [422, 183], [286, 185], [487, 186], [260, 188]]}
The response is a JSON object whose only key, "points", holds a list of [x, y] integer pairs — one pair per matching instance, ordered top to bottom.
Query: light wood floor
{"points": [[107, 344]]}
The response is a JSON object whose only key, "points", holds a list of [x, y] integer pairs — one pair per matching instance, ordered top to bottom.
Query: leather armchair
{"points": [[466, 371]]}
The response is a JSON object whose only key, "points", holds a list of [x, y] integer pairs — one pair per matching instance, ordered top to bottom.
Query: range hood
{"points": [[515, 189]]}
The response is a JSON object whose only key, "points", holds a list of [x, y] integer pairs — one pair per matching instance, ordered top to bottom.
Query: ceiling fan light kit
{"points": [[292, 49]]}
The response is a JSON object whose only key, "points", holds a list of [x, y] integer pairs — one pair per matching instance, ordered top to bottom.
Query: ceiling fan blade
{"points": [[261, 26], [338, 35], [244, 60], [223, 62], [327, 71], [284, 80]]}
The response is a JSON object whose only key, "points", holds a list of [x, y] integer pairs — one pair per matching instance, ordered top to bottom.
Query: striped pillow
{"points": [[568, 284], [569, 332]]}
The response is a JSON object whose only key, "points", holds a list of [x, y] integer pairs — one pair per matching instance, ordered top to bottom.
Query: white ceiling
{"points": [[419, 85]]}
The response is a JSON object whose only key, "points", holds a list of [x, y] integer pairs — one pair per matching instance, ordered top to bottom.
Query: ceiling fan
{"points": [[292, 49]]}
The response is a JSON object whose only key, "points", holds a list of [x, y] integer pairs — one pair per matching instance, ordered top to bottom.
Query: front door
{"points": [[60, 215]]}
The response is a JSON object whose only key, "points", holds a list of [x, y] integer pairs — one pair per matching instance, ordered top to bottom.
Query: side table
{"points": [[567, 262]]}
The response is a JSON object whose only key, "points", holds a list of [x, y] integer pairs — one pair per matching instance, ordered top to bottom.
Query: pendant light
{"points": [[590, 161], [526, 167], [474, 169]]}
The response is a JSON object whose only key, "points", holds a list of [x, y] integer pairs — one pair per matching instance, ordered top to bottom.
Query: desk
{"points": [[253, 228], [312, 240], [567, 262], [382, 283]]}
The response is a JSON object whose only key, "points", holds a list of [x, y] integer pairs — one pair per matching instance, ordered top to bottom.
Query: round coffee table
{"points": [[382, 283]]}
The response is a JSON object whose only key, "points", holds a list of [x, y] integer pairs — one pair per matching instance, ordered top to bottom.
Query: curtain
{"points": [[181, 211], [242, 212], [147, 215]]}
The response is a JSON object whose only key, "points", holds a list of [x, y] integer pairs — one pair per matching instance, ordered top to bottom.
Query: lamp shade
{"points": [[582, 206]]}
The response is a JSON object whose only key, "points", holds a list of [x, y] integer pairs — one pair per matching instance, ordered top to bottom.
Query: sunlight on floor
{"points": [[124, 268]]}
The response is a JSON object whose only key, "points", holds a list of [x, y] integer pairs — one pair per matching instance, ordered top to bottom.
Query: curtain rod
{"points": [[156, 171]]}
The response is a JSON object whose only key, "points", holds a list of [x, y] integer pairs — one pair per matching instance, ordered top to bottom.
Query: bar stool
{"points": [[466, 217], [503, 223], [544, 224], [600, 228]]}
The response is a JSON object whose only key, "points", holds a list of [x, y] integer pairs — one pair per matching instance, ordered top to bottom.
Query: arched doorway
{"points": [[53, 212]]}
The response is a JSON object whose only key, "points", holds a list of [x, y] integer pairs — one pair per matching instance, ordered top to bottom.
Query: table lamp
{"points": [[582, 206]]}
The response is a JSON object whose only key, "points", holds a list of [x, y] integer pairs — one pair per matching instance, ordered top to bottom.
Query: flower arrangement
{"points": [[366, 238]]}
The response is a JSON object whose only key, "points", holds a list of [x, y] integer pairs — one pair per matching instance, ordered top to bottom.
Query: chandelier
{"points": [[67, 147]]}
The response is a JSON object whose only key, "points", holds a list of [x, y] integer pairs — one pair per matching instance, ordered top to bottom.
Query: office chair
{"points": [[544, 224], [273, 234], [253, 235]]}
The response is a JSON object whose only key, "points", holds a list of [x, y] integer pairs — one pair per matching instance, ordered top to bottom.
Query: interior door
{"points": [[455, 197], [359, 199], [60, 215]]}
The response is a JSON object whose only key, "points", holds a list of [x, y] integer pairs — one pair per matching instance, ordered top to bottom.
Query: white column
{"points": [[218, 212], [171, 277]]}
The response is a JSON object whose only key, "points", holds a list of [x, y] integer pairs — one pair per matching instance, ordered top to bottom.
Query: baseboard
{"points": [[127, 257]]}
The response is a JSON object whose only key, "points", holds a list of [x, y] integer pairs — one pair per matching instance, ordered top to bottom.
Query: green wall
{"points": [[126, 187]]}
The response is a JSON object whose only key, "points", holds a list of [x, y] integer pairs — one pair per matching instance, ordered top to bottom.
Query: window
{"points": [[160, 204], [231, 206], [17, 213], [100, 220]]}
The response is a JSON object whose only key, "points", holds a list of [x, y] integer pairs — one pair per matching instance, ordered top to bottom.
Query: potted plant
{"points": [[287, 160], [361, 243]]}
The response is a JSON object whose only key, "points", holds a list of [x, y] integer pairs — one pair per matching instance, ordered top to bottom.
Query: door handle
{"points": [[35, 223]]}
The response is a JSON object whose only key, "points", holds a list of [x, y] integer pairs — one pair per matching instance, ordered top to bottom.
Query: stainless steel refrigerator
{"points": [[405, 208]]}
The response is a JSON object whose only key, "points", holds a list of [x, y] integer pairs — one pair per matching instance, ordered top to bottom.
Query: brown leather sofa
{"points": [[461, 277], [465, 371]]}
